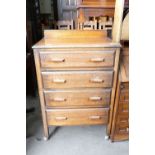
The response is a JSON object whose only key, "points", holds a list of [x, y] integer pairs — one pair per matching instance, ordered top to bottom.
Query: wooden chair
{"points": [[104, 24], [64, 25], [87, 25]]}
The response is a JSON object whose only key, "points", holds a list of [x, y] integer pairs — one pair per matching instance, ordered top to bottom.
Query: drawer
{"points": [[77, 59], [77, 79], [124, 86], [124, 95], [77, 97], [124, 106], [90, 116], [122, 119], [122, 129], [120, 137]]}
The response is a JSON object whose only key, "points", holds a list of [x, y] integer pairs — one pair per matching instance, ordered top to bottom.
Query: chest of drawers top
{"points": [[75, 39]]}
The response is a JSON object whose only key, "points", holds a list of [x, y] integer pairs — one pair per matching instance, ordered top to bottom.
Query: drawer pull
{"points": [[97, 59], [58, 60], [97, 80], [59, 81], [95, 98], [59, 99], [125, 110], [95, 117], [61, 118], [123, 121], [122, 130]]}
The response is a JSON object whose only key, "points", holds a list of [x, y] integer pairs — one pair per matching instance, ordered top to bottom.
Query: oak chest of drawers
{"points": [[77, 73], [120, 123]]}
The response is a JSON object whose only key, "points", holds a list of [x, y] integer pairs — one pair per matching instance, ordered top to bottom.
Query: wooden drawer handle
{"points": [[97, 59], [57, 60], [59, 80], [97, 80], [95, 98], [59, 99], [125, 110], [95, 117], [61, 118], [123, 121], [123, 130]]}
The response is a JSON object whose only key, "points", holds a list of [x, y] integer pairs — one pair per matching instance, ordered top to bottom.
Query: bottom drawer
{"points": [[60, 117], [122, 129], [120, 137]]}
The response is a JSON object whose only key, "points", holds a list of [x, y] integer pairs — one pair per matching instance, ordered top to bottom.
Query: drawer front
{"points": [[73, 59], [77, 79], [125, 86], [124, 95], [78, 97], [124, 107], [92, 116], [123, 119], [122, 129], [121, 132], [120, 137]]}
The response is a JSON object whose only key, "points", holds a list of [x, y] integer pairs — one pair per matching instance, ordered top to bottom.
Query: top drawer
{"points": [[77, 59]]}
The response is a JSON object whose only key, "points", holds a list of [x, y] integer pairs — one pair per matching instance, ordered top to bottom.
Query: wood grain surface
{"points": [[75, 59], [77, 79], [78, 98], [91, 116]]}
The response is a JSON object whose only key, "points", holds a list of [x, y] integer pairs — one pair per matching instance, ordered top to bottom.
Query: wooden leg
{"points": [[113, 91], [42, 102], [44, 119], [46, 133], [45, 138]]}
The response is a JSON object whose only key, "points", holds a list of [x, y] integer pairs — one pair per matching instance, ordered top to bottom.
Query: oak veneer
{"points": [[77, 59], [76, 72], [77, 79], [78, 98], [63, 117]]}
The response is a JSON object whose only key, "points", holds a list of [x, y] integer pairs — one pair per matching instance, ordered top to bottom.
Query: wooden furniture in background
{"points": [[96, 8], [106, 24], [87, 25], [77, 73], [120, 124]]}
